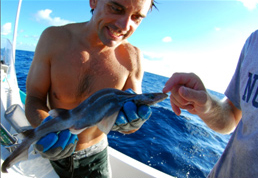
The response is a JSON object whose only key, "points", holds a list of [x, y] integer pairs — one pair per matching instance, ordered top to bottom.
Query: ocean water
{"points": [[182, 146]]}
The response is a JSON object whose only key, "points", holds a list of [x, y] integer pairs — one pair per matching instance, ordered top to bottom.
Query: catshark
{"points": [[99, 109]]}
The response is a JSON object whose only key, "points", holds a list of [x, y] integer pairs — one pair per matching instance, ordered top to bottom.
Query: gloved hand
{"points": [[131, 117], [56, 145]]}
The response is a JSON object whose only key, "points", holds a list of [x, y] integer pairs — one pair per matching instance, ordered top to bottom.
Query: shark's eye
{"points": [[151, 96]]}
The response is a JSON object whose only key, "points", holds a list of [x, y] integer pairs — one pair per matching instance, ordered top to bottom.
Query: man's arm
{"points": [[135, 77], [38, 82], [188, 92], [222, 116], [129, 119], [54, 145]]}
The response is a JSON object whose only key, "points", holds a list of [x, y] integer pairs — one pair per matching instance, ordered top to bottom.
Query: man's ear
{"points": [[93, 4]]}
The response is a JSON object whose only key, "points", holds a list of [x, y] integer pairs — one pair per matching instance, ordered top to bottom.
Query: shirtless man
{"points": [[72, 62]]}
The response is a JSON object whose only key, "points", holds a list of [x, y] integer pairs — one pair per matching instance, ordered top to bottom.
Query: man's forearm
{"points": [[35, 110], [220, 116]]}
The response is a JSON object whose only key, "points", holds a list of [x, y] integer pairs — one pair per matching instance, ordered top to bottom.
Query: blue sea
{"points": [[182, 146]]}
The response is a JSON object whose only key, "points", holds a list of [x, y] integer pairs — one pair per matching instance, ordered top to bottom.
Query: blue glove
{"points": [[131, 117], [56, 145]]}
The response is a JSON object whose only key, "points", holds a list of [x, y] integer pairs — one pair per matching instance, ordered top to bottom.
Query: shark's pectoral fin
{"points": [[56, 112], [106, 124], [77, 132]]}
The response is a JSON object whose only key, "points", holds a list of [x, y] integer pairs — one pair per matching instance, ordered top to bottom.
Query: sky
{"points": [[204, 36]]}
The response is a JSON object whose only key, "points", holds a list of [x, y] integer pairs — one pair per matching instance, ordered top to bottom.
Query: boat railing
{"points": [[6, 51]]}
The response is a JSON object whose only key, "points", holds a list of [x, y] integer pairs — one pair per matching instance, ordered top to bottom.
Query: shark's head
{"points": [[149, 98]]}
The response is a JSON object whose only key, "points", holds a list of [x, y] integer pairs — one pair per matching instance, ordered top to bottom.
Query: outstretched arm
{"points": [[188, 92]]}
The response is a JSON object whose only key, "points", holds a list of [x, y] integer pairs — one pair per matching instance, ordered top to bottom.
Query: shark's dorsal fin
{"points": [[106, 124]]}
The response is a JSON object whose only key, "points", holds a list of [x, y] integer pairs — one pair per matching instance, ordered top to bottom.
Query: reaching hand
{"points": [[187, 92], [131, 117], [55, 145]]}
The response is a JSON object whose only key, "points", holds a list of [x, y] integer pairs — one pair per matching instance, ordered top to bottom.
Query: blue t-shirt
{"points": [[240, 158]]}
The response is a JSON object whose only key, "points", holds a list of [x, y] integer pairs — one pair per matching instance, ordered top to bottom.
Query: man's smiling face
{"points": [[116, 20]]}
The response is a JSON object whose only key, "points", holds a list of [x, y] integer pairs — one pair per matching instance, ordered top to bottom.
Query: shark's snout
{"points": [[150, 98]]}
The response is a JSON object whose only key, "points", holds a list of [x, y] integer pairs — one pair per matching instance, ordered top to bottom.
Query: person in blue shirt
{"points": [[237, 112]]}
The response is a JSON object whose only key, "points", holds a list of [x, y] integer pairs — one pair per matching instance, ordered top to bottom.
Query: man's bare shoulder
{"points": [[56, 34], [56, 38], [130, 47], [129, 50], [131, 57]]}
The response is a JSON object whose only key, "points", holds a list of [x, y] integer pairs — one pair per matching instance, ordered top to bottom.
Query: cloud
{"points": [[250, 4], [44, 16], [6, 28], [217, 28], [20, 31], [33, 37], [167, 39], [26, 46], [152, 56], [206, 64]]}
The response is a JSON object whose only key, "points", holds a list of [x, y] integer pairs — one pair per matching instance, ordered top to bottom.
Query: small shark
{"points": [[99, 109]]}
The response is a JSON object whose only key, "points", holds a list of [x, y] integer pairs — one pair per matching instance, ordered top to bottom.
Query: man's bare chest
{"points": [[75, 78]]}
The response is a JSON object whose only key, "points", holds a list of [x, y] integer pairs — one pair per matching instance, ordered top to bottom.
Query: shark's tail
{"points": [[19, 154]]}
